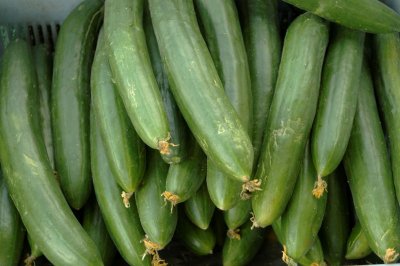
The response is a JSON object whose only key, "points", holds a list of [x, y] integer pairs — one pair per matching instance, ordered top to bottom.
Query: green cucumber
{"points": [[354, 14], [386, 49], [137, 86], [198, 90], [70, 100], [337, 102], [291, 115], [125, 150], [27, 170], [371, 184], [199, 208], [303, 216], [236, 217], [158, 221], [122, 223], [12, 231], [199, 241], [357, 244], [241, 251], [35, 252]]}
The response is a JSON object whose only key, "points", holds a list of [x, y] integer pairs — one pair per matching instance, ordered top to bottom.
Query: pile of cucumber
{"points": [[203, 123]]}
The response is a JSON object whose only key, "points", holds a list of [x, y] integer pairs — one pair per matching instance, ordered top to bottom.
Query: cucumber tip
{"points": [[250, 187], [320, 187], [125, 198], [172, 198], [254, 222], [233, 234], [390, 256], [30, 260]]}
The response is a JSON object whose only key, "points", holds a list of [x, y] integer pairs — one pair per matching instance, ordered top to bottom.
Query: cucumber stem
{"points": [[163, 145], [249, 187], [320, 187], [125, 198], [172, 198], [253, 220], [233, 233], [152, 249], [390, 256], [286, 259], [30, 260]]}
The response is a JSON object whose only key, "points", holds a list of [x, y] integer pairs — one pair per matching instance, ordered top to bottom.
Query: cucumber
{"points": [[355, 14], [260, 27], [386, 49], [137, 86], [198, 90], [70, 100], [337, 102], [291, 115], [177, 125], [125, 150], [27, 170], [371, 184], [199, 208], [303, 216], [236, 217], [157, 220], [122, 223], [94, 225], [335, 227], [12, 231], [357, 244], [241, 252], [34, 253]]}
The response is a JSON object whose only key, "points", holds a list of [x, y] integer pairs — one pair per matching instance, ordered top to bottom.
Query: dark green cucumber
{"points": [[355, 14], [263, 45], [386, 49], [137, 86], [198, 90], [338, 99], [70, 100], [291, 116], [177, 125], [125, 150], [27, 170], [185, 178], [371, 184], [199, 208], [237, 216], [303, 216], [157, 219], [122, 223], [335, 227], [12, 231], [201, 242], [357, 244], [240, 252]]}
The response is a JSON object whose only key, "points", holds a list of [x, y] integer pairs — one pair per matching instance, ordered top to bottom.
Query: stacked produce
{"points": [[203, 122]]}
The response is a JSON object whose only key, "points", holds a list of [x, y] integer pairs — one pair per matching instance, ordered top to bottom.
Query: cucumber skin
{"points": [[355, 14], [386, 57], [137, 86], [198, 89], [338, 99], [70, 100], [291, 115], [125, 150], [27, 168], [369, 182], [199, 208], [238, 215], [157, 220], [122, 223], [12, 231], [357, 244]]}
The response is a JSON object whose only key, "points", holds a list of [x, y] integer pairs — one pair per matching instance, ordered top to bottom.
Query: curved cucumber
{"points": [[355, 14], [137, 86], [198, 89], [338, 99], [70, 100], [291, 116], [125, 150], [27, 170], [371, 184], [199, 208], [238, 215], [158, 221], [122, 223], [357, 244]]}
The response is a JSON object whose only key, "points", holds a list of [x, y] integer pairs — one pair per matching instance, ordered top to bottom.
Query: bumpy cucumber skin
{"points": [[355, 14], [387, 81], [137, 86], [198, 89], [338, 99], [291, 115], [125, 150], [27, 168], [371, 181], [199, 208], [238, 215], [157, 219], [122, 223], [335, 227], [12, 231], [357, 244]]}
